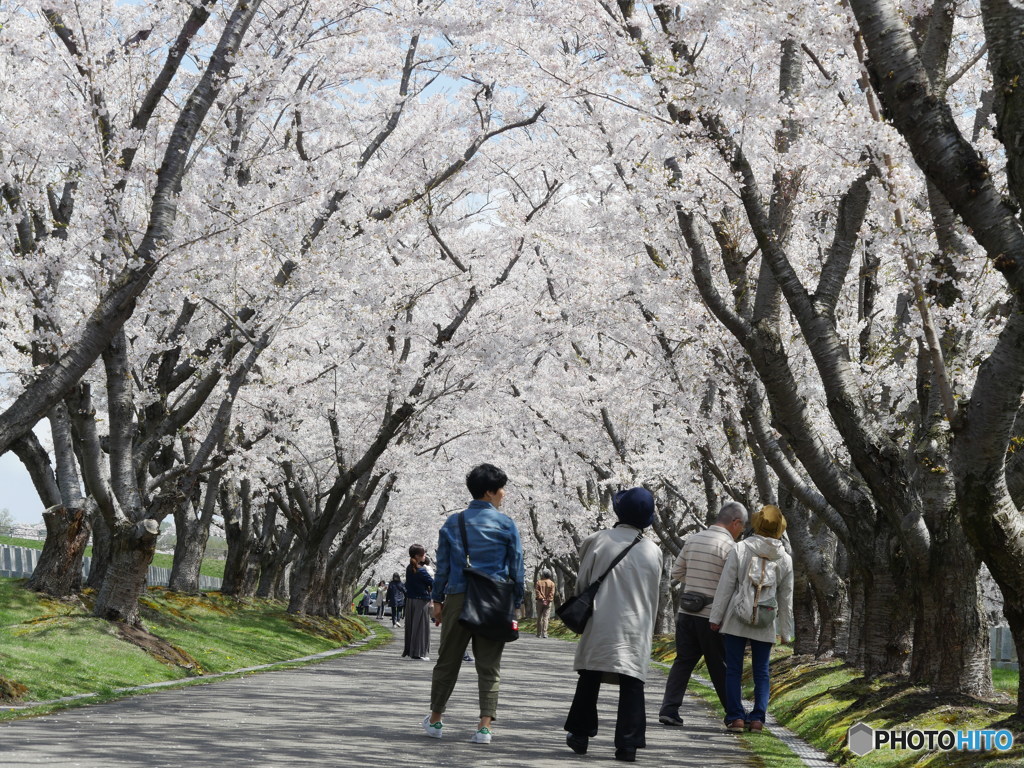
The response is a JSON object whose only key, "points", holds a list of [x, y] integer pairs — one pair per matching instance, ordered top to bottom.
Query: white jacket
{"points": [[735, 571], [618, 636]]}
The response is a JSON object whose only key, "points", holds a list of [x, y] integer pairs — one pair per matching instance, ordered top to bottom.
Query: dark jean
{"points": [[694, 641], [760, 652], [630, 720]]}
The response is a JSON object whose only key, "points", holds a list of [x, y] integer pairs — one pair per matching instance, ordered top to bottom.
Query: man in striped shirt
{"points": [[698, 568]]}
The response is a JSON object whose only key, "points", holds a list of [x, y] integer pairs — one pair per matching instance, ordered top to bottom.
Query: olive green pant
{"points": [[455, 639]]}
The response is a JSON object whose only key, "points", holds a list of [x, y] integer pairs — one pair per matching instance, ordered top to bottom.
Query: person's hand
{"points": [[437, 613], [714, 627]]}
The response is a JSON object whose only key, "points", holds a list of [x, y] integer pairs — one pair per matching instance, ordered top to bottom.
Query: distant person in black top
{"points": [[418, 583], [396, 599]]}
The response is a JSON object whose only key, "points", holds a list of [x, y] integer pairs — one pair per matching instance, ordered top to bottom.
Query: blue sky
{"points": [[18, 494]]}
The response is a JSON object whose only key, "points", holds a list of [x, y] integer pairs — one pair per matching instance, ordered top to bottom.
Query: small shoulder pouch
{"points": [[692, 602]]}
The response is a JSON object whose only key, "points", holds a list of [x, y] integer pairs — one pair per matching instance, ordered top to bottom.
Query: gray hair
{"points": [[730, 512], [545, 574]]}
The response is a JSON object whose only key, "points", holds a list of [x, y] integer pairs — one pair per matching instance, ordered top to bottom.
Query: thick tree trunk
{"points": [[132, 549], [189, 550], [100, 552], [273, 563], [241, 568], [59, 571], [309, 584], [281, 586], [832, 599], [805, 614], [888, 625], [951, 644], [855, 646]]}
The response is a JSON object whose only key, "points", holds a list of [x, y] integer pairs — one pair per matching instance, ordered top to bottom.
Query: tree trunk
{"points": [[132, 549], [189, 550], [100, 552], [273, 562], [241, 568], [59, 571], [309, 584], [281, 586], [832, 600], [1013, 610], [805, 616], [665, 622], [888, 624], [951, 643], [855, 646]]}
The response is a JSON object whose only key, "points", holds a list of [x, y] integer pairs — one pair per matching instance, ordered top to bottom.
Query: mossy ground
{"points": [[186, 636], [819, 701]]}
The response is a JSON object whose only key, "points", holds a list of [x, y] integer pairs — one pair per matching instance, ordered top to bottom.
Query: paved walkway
{"points": [[360, 710]]}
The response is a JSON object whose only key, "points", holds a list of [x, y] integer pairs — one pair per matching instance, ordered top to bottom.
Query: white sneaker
{"points": [[434, 729], [483, 736]]}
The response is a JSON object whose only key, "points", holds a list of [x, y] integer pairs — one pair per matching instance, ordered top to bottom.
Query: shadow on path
{"points": [[360, 710]]}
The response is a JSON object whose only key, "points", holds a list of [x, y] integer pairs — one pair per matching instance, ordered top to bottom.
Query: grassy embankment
{"points": [[211, 566], [191, 636], [820, 700]]}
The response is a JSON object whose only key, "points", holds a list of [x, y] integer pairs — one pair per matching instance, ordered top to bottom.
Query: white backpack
{"points": [[756, 604]]}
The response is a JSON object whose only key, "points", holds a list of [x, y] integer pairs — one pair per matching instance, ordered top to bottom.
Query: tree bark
{"points": [[132, 549], [189, 549], [101, 551], [241, 568], [59, 570], [888, 625]]}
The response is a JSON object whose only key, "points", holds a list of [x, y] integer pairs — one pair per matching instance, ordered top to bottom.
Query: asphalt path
{"points": [[360, 710]]}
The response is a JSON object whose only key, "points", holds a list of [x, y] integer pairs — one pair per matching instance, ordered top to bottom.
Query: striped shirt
{"points": [[699, 565]]}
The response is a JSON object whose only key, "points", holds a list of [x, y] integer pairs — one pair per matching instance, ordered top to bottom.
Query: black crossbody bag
{"points": [[489, 609], [577, 610]]}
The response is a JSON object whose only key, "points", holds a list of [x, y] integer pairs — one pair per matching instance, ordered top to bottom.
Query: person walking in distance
{"points": [[493, 540], [698, 569], [544, 590], [382, 597], [396, 599]]}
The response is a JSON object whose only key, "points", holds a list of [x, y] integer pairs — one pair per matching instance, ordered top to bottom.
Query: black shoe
{"points": [[675, 720], [577, 744], [626, 755]]}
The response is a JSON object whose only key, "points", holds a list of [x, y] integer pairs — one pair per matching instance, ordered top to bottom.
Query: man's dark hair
{"points": [[484, 478], [416, 550]]}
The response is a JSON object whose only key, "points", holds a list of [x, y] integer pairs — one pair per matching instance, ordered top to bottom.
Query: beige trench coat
{"points": [[618, 636]]}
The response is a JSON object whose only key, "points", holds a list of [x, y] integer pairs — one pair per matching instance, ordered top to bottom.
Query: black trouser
{"points": [[694, 640], [630, 721]]}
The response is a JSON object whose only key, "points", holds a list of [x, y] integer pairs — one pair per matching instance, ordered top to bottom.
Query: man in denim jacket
{"points": [[495, 548]]}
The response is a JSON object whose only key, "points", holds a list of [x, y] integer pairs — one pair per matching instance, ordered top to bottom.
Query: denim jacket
{"points": [[494, 547]]}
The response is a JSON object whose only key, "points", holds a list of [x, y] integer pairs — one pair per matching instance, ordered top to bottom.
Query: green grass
{"points": [[212, 567], [50, 649], [1006, 680], [820, 700]]}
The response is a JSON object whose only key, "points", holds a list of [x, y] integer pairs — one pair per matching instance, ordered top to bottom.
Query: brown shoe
{"points": [[736, 726], [756, 726]]}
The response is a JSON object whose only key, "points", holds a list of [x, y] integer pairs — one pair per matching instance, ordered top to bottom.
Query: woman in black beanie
{"points": [[616, 644]]}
